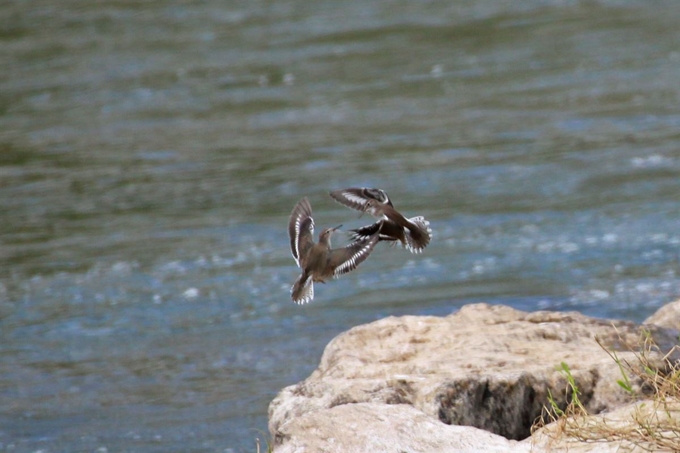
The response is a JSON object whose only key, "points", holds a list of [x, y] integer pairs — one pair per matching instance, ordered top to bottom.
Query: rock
{"points": [[667, 316], [664, 326], [489, 367], [362, 427], [374, 427], [618, 427]]}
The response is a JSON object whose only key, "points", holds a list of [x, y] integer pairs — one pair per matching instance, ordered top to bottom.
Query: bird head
{"points": [[373, 207], [326, 233]]}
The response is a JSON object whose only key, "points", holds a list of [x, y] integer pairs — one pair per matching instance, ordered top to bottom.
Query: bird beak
{"points": [[337, 227]]}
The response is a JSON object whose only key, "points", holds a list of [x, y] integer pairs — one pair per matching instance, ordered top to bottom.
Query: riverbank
{"points": [[476, 380]]}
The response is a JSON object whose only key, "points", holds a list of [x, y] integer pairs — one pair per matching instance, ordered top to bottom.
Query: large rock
{"points": [[667, 316], [490, 367], [373, 427], [398, 428], [625, 429]]}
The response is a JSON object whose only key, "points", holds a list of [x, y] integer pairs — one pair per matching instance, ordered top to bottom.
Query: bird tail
{"points": [[419, 234], [303, 289]]}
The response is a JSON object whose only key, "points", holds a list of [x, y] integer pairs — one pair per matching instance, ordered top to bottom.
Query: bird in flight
{"points": [[414, 233], [319, 261]]}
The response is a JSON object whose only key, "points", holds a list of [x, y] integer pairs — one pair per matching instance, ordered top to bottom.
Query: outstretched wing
{"points": [[358, 197], [301, 230], [389, 231], [365, 232], [347, 259]]}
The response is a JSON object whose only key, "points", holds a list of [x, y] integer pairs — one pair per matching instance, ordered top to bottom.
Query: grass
{"points": [[652, 381], [258, 446]]}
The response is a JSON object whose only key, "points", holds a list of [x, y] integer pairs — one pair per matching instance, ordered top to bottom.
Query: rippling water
{"points": [[150, 154]]}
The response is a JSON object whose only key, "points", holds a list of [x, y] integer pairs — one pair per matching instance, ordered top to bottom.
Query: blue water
{"points": [[150, 155]]}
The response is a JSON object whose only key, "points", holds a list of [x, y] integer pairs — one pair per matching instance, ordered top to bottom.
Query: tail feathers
{"points": [[419, 234], [303, 290]]}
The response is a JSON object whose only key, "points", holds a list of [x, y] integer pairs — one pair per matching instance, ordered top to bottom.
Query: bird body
{"points": [[414, 233], [319, 261]]}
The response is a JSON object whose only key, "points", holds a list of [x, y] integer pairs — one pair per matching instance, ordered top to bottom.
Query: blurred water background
{"points": [[151, 152]]}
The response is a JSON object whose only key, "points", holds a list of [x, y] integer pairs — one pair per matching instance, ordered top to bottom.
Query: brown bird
{"points": [[414, 233], [319, 261]]}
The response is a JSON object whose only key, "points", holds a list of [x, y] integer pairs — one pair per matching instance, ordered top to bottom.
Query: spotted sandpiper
{"points": [[414, 233], [319, 261]]}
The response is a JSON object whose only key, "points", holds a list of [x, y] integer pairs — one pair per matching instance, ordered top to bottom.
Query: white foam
{"points": [[191, 293]]}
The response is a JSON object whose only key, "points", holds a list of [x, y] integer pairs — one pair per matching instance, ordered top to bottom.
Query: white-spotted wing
{"points": [[358, 197], [301, 230], [347, 259]]}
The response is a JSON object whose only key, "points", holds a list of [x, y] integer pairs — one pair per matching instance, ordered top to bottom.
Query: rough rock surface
{"points": [[667, 316], [485, 366], [489, 367], [398, 428], [401, 428], [588, 432]]}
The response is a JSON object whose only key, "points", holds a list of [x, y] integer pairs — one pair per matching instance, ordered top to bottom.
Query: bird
{"points": [[414, 233], [319, 261]]}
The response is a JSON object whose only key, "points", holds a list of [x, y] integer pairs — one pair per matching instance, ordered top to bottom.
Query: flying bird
{"points": [[414, 233], [319, 261]]}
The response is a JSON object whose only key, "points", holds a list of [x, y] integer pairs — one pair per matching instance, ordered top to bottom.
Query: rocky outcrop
{"points": [[667, 316], [487, 367], [374, 427], [398, 428], [620, 428]]}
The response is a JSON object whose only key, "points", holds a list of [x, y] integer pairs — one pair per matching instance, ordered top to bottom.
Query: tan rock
{"points": [[667, 316], [485, 366], [374, 427], [615, 431]]}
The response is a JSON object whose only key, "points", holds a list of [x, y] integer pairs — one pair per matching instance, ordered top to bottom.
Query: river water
{"points": [[151, 152]]}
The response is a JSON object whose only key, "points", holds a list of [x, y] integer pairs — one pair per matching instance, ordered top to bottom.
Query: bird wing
{"points": [[357, 197], [301, 230], [389, 231], [365, 232], [347, 259]]}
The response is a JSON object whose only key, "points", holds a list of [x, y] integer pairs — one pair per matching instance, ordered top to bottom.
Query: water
{"points": [[150, 154]]}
